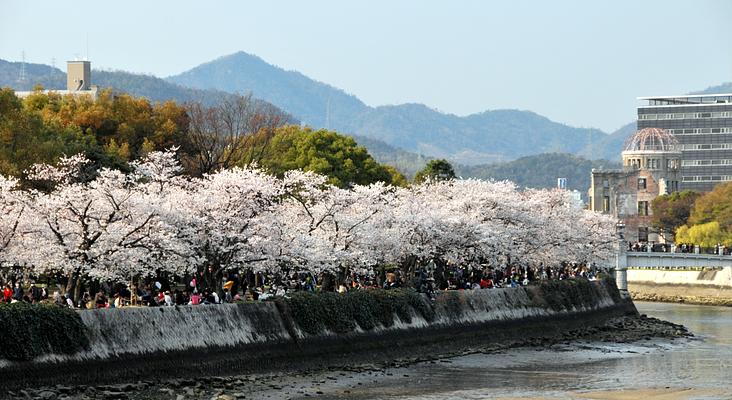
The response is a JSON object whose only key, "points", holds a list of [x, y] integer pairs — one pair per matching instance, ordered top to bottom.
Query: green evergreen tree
{"points": [[440, 170]]}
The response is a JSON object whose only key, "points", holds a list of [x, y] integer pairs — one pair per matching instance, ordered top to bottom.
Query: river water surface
{"points": [[699, 368]]}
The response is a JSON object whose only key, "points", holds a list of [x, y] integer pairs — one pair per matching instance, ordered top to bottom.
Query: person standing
{"points": [[18, 292], [7, 294]]}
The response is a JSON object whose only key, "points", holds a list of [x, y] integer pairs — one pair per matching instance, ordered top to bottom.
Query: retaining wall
{"points": [[698, 285], [140, 343]]}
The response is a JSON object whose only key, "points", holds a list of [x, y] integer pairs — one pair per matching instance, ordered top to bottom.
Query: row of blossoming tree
{"points": [[150, 221]]}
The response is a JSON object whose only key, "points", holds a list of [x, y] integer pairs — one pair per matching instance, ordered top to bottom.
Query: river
{"points": [[696, 368]]}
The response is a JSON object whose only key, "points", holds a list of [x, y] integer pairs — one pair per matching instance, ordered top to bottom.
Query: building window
{"points": [[605, 183], [641, 183], [672, 186], [606, 204], [643, 208], [643, 234]]}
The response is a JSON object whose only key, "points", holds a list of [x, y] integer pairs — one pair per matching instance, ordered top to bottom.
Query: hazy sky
{"points": [[576, 62]]}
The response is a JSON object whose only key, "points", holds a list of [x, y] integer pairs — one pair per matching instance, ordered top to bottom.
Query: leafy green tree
{"points": [[322, 151], [440, 170], [397, 178], [670, 211]]}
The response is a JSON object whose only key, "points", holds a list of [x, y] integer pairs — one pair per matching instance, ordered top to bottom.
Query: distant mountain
{"points": [[147, 86], [723, 88], [315, 103], [405, 135], [485, 137], [610, 146], [405, 162], [536, 171], [541, 171]]}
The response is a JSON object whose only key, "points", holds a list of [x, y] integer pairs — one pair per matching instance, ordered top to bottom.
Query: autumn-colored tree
{"points": [[119, 123], [714, 206], [670, 211], [705, 235]]}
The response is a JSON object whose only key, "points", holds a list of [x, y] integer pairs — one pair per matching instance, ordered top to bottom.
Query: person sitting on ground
{"points": [[391, 281], [85, 299], [168, 299], [195, 299], [100, 300], [69, 301], [118, 303]]}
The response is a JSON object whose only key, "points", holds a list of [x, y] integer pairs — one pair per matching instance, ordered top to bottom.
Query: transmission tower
{"points": [[21, 74]]}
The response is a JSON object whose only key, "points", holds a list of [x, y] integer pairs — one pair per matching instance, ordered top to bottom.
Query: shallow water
{"points": [[681, 369]]}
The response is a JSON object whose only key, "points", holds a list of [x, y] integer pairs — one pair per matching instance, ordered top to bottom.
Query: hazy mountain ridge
{"points": [[148, 86], [725, 87], [315, 103], [485, 137], [478, 144], [541, 170]]}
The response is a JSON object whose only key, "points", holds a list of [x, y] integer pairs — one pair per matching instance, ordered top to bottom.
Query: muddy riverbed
{"points": [[587, 362]]}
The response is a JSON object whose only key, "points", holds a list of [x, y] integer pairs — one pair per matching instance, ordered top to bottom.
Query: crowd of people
{"points": [[718, 249], [235, 287]]}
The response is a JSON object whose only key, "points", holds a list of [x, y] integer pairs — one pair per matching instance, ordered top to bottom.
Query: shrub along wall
{"points": [[339, 313], [29, 331]]}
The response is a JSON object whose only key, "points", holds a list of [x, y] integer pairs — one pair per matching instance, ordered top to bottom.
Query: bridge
{"points": [[675, 260], [673, 269], [676, 277]]}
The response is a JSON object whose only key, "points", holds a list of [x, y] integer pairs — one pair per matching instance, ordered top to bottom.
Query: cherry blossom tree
{"points": [[12, 212], [223, 218], [119, 226], [106, 229]]}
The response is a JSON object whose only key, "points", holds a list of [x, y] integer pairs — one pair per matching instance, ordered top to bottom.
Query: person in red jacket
{"points": [[7, 294]]}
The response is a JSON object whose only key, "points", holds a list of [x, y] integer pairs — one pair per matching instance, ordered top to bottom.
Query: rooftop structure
{"points": [[692, 99], [651, 139]]}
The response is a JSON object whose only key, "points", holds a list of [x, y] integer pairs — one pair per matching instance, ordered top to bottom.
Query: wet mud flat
{"points": [[348, 376]]}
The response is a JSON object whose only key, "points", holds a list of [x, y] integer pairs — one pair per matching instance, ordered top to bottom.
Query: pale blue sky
{"points": [[576, 62]]}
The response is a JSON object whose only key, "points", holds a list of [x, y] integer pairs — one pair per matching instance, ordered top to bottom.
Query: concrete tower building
{"points": [[78, 76], [78, 82], [651, 165]]}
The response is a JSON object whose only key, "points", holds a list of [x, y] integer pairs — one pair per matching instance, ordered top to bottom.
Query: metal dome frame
{"points": [[652, 139]]}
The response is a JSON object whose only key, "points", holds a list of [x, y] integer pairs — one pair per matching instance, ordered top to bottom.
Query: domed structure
{"points": [[652, 139], [651, 167]]}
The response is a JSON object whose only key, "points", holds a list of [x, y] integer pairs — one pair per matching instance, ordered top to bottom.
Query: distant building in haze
{"points": [[78, 81]]}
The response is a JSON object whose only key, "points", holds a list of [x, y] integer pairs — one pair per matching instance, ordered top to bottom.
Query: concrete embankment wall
{"points": [[699, 285], [142, 343]]}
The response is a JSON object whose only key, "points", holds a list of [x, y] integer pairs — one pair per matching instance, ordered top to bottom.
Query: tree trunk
{"points": [[70, 283], [77, 290]]}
